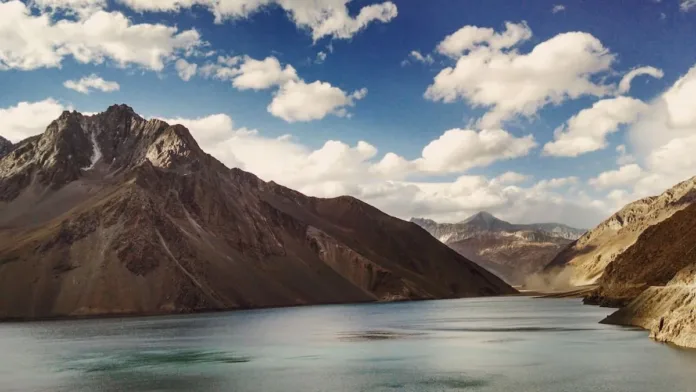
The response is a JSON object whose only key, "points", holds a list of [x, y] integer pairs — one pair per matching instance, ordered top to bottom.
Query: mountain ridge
{"points": [[115, 214], [511, 251]]}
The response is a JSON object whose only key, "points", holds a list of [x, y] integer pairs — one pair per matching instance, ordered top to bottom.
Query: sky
{"points": [[535, 111]]}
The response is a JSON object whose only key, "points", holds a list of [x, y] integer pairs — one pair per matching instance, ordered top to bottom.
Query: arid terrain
{"points": [[116, 214], [513, 252]]}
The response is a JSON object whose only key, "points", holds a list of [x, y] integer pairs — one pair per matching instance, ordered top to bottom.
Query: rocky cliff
{"points": [[5, 146], [116, 214], [511, 251], [590, 256], [668, 312]]}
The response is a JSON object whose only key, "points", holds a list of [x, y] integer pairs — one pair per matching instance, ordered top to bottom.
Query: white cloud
{"points": [[687, 5], [79, 7], [558, 8], [323, 18], [30, 41], [321, 57], [418, 57], [185, 70], [490, 72], [262, 74], [90, 83], [625, 84], [294, 100], [300, 101], [28, 118], [587, 130], [662, 142], [460, 149], [456, 151], [624, 158], [337, 168], [625, 175], [511, 178], [554, 183]]}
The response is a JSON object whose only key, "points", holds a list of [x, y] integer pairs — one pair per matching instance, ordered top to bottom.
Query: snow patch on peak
{"points": [[96, 152]]}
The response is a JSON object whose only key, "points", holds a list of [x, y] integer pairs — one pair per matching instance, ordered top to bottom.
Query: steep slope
{"points": [[5, 146], [115, 214], [511, 251], [659, 253], [589, 256], [668, 312]]}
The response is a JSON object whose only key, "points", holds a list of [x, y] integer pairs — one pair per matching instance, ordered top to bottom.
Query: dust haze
{"points": [[557, 279]]}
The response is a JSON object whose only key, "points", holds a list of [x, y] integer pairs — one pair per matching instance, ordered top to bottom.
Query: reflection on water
{"points": [[503, 344]]}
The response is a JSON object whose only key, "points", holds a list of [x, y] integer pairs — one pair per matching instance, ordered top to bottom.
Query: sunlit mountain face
{"points": [[535, 112]]}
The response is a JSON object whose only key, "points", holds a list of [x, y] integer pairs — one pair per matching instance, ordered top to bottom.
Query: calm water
{"points": [[504, 344]]}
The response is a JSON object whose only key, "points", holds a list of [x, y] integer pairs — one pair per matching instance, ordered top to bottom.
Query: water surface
{"points": [[500, 344]]}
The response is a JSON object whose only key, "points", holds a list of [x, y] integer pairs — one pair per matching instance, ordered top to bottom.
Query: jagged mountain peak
{"points": [[75, 145], [149, 223]]}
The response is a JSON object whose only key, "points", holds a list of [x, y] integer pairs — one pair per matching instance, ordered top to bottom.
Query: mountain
{"points": [[5, 146], [115, 214], [511, 251], [590, 256], [656, 277]]}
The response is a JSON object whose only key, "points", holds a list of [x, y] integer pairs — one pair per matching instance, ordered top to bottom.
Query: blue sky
{"points": [[394, 116]]}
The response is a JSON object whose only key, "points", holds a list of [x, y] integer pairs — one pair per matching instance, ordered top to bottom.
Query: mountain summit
{"points": [[115, 214], [511, 251]]}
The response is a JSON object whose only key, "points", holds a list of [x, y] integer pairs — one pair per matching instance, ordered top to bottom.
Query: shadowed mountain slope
{"points": [[116, 214]]}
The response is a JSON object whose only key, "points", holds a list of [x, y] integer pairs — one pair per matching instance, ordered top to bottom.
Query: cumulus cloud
{"points": [[558, 8], [323, 18], [37, 41], [321, 57], [185, 70], [492, 72], [91, 83], [625, 84], [294, 100], [300, 101], [27, 119], [587, 130], [661, 141], [461, 149], [456, 151], [337, 168], [625, 175], [511, 178]]}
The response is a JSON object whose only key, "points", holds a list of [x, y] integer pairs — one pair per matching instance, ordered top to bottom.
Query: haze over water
{"points": [[490, 344]]}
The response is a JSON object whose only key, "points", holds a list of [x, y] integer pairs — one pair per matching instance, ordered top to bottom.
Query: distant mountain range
{"points": [[115, 214], [511, 251]]}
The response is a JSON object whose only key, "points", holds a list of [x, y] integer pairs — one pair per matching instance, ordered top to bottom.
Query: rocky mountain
{"points": [[5, 146], [116, 214], [511, 251], [590, 256], [668, 312]]}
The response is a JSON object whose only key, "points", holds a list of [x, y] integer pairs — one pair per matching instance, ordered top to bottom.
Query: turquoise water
{"points": [[501, 344]]}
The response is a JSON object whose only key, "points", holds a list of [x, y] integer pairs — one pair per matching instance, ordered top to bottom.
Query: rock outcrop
{"points": [[5, 146], [116, 214], [511, 251], [658, 254], [589, 256], [668, 312]]}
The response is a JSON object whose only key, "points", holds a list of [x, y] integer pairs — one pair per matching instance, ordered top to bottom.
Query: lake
{"points": [[491, 344]]}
